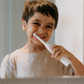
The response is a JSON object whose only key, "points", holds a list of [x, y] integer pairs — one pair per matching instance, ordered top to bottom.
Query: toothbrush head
{"points": [[34, 34], [38, 38]]}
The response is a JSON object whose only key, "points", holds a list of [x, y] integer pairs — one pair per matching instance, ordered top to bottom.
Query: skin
{"points": [[43, 26]]}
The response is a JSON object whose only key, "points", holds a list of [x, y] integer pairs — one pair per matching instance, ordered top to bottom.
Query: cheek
{"points": [[30, 31], [50, 33]]}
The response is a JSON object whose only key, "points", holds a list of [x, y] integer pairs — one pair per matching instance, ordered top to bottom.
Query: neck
{"points": [[33, 48]]}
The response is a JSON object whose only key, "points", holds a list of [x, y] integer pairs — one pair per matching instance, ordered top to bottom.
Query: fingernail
{"points": [[52, 56]]}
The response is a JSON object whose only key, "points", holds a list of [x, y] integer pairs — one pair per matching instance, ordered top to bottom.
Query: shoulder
{"points": [[15, 53], [9, 56], [5, 60], [9, 60]]}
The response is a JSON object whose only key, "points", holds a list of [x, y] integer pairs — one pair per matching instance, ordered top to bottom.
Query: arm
{"points": [[59, 51], [77, 66], [7, 68]]}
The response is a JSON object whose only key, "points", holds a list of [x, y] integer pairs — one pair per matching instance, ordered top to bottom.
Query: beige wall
{"points": [[10, 26], [3, 28], [69, 32], [83, 33]]}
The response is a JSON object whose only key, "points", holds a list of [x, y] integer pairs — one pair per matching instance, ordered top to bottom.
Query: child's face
{"points": [[42, 25]]}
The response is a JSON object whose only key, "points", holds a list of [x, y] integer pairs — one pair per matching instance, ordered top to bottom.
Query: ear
{"points": [[24, 25]]}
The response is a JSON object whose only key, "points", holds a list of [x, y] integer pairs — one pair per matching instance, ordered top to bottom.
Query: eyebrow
{"points": [[37, 20], [40, 21], [51, 24]]}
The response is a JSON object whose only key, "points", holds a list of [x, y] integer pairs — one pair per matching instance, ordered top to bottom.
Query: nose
{"points": [[42, 29]]}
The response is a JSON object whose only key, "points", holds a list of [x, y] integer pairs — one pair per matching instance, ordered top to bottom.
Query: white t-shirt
{"points": [[23, 65]]}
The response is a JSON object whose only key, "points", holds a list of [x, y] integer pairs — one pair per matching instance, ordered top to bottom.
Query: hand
{"points": [[59, 51]]}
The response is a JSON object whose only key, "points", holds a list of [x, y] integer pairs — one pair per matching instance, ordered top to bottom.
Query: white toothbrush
{"points": [[64, 60]]}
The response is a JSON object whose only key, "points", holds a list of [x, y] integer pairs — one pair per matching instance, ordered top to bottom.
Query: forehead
{"points": [[42, 17]]}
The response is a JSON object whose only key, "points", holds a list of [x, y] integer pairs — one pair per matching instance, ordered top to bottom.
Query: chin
{"points": [[38, 43]]}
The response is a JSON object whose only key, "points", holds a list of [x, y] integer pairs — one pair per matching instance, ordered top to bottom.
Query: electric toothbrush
{"points": [[64, 60]]}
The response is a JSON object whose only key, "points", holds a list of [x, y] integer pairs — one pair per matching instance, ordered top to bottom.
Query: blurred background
{"points": [[69, 32]]}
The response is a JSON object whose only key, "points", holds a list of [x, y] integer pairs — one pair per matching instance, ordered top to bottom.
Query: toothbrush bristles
{"points": [[38, 38]]}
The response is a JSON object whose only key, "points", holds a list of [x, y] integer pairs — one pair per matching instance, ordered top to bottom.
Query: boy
{"points": [[34, 60]]}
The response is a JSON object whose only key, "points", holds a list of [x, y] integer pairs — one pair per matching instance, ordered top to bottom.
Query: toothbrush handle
{"points": [[47, 45], [64, 60]]}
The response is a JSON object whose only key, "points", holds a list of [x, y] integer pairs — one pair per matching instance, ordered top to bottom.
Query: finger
{"points": [[53, 46], [55, 50], [57, 55], [60, 55], [63, 55]]}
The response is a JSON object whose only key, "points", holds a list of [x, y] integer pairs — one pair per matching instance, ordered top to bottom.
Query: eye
{"points": [[36, 23], [49, 27]]}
